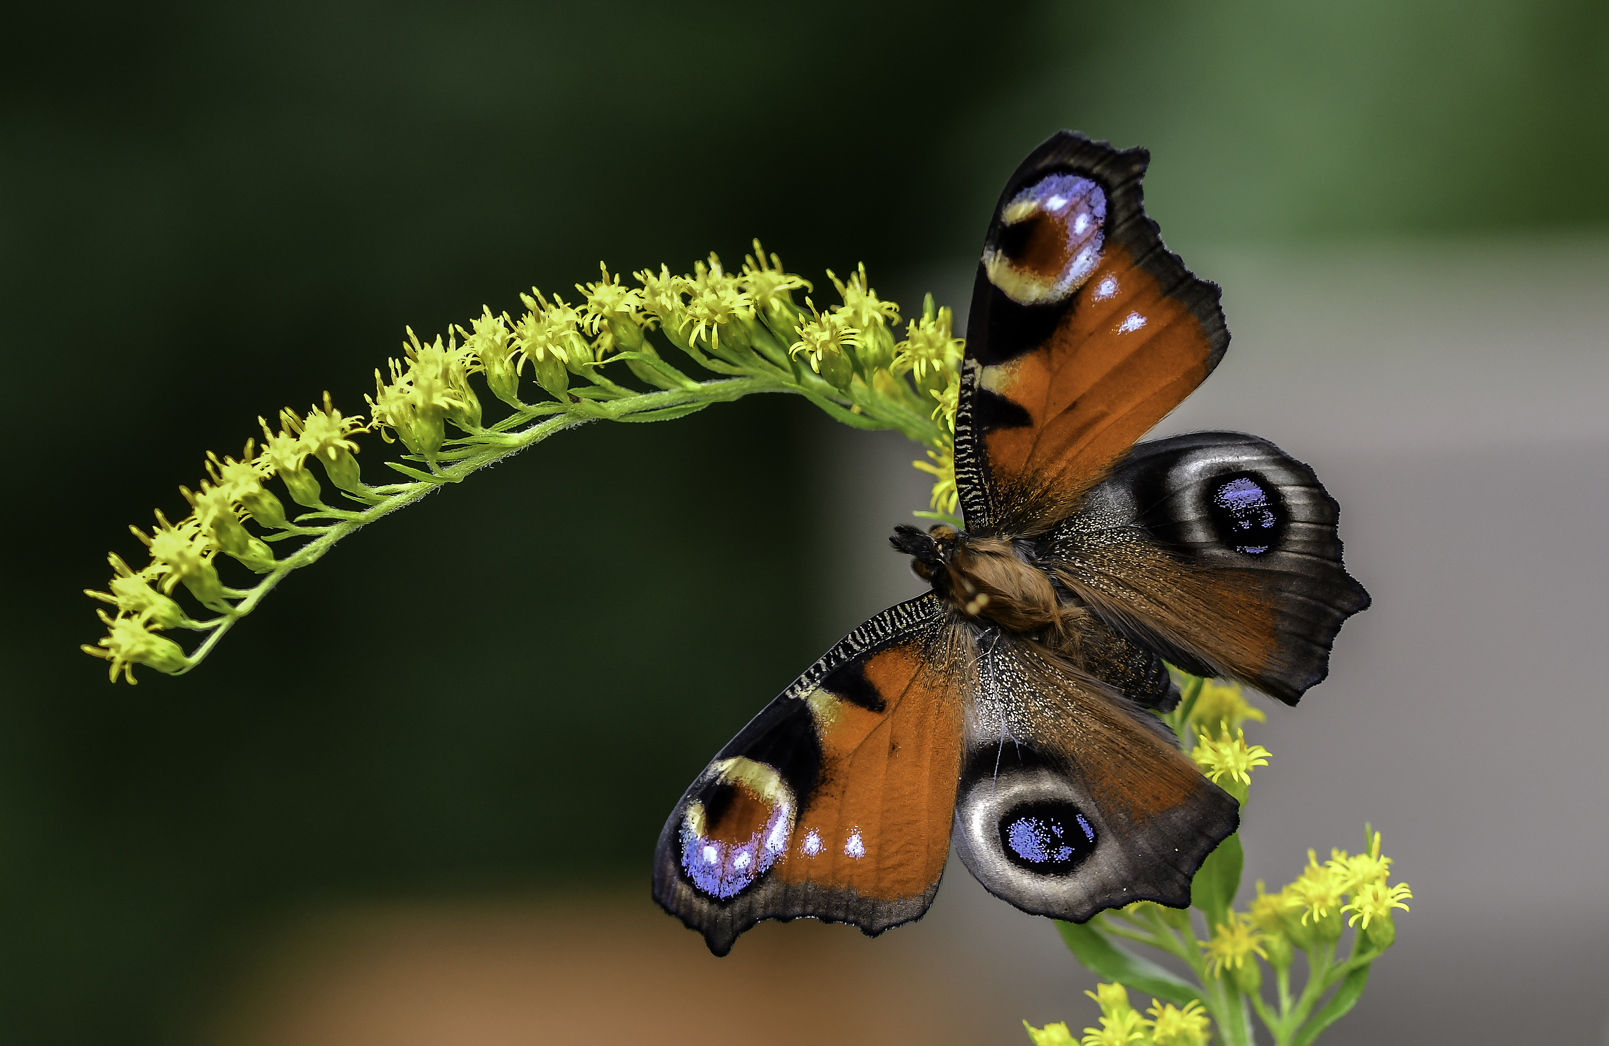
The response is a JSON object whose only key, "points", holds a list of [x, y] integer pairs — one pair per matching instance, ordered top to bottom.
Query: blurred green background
{"points": [[208, 212]]}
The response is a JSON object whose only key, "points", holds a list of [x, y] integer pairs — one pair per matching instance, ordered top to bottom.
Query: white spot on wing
{"points": [[1107, 288], [1132, 322], [778, 837], [812, 843], [854, 847], [711, 855]]}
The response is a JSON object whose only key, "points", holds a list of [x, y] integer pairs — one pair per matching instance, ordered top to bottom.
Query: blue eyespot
{"points": [[1049, 241], [1246, 514], [1048, 837], [723, 863]]}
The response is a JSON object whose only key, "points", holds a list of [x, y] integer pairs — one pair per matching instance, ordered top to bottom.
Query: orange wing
{"points": [[1084, 333], [836, 802]]}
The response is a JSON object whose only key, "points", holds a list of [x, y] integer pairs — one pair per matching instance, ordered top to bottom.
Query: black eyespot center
{"points": [[1247, 512], [1049, 837]]}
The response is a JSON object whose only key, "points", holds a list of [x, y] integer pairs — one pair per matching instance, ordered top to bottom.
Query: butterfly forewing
{"points": [[1084, 332], [835, 802]]}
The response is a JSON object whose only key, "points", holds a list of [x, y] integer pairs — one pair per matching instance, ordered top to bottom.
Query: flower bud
{"points": [[628, 335], [876, 347], [837, 369], [552, 375], [503, 379], [932, 382], [464, 410], [342, 468], [303, 487], [265, 509], [228, 534], [1327, 929], [1381, 931], [1280, 952], [1247, 976]]}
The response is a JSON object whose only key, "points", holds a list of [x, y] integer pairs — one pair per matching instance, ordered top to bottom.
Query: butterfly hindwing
{"points": [[1084, 332], [1218, 551], [1073, 799], [835, 802]]}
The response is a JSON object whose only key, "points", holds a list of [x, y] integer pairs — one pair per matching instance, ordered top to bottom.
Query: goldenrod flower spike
{"points": [[740, 327]]}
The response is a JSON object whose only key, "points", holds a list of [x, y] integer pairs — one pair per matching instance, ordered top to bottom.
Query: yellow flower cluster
{"points": [[743, 327], [184, 552], [1228, 760], [1308, 911], [1123, 1025]]}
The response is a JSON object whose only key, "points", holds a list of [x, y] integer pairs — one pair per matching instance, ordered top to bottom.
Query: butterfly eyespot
{"points": [[1049, 241], [1247, 513], [738, 829], [1046, 837]]}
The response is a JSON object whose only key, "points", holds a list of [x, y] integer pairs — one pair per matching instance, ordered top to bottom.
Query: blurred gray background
{"points": [[373, 815]]}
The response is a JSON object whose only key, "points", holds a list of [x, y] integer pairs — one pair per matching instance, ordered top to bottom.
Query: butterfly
{"points": [[1010, 708]]}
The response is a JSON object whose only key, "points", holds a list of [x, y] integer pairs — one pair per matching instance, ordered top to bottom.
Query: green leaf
{"points": [[665, 413], [843, 414], [413, 473], [1213, 889], [1101, 955], [1345, 997]]}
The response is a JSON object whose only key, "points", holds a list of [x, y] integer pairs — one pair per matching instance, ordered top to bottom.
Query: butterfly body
{"points": [[1010, 707]]}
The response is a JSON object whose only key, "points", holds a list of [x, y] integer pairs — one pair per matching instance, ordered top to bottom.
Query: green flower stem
{"points": [[468, 455], [1318, 966]]}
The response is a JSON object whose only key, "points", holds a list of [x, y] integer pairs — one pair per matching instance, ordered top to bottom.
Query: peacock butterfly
{"points": [[1010, 708]]}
